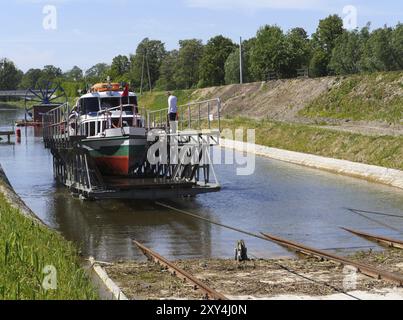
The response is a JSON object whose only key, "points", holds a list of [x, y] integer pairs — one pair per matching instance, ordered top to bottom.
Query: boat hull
{"points": [[117, 156]]}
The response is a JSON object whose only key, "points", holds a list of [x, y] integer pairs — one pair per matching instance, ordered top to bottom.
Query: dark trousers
{"points": [[172, 116]]}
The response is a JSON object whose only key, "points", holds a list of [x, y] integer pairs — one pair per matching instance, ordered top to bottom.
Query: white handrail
{"points": [[159, 118]]}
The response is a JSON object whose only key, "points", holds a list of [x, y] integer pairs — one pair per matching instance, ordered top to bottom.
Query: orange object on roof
{"points": [[103, 87]]}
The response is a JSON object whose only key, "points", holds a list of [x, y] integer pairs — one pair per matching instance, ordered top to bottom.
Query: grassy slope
{"points": [[377, 96], [380, 151], [25, 249]]}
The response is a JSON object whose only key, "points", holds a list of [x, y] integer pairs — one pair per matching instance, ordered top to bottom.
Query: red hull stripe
{"points": [[118, 165]]}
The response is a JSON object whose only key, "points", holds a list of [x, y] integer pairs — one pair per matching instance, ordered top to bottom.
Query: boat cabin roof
{"points": [[107, 94]]}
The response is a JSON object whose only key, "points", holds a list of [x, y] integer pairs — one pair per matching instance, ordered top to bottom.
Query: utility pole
{"points": [[240, 62], [148, 70], [142, 75]]}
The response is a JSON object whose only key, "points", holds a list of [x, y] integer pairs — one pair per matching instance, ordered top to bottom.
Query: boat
{"points": [[110, 128], [100, 148]]}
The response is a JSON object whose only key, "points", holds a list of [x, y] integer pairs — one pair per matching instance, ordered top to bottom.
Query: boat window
{"points": [[129, 100], [109, 103], [89, 105], [92, 131]]}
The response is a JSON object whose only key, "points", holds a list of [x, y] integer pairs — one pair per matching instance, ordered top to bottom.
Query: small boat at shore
{"points": [[112, 130]]}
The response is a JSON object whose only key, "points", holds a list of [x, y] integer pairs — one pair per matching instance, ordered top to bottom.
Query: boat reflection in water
{"points": [[106, 229]]}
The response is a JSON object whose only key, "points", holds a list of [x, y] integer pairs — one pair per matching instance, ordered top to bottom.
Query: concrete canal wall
{"points": [[371, 173]]}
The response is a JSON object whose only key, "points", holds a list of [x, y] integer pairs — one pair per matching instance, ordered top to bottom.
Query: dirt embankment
{"points": [[279, 100], [366, 104], [259, 279]]}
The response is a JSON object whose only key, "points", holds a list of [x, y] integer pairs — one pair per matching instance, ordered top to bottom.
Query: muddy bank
{"points": [[258, 279]]}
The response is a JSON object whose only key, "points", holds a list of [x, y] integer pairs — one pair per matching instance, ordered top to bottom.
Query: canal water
{"points": [[294, 202]]}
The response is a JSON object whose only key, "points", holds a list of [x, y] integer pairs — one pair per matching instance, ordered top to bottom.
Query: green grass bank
{"points": [[377, 96], [382, 151], [26, 248]]}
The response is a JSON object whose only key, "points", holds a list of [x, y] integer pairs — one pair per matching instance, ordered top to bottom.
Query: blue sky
{"points": [[92, 31]]}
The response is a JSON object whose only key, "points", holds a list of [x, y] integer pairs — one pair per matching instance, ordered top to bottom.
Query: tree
{"points": [[328, 32], [324, 41], [397, 44], [298, 51], [381, 51], [269, 52], [347, 53], [147, 63], [188, 64], [212, 65], [318, 66], [120, 67], [167, 72], [232, 72], [51, 73], [97, 73], [75, 74], [10, 76], [30, 79]]}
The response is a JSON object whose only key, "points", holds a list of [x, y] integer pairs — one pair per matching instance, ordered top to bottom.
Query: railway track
{"points": [[388, 242], [362, 268], [367, 270], [210, 294]]}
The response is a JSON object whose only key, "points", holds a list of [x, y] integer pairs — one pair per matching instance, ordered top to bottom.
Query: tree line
{"points": [[331, 50]]}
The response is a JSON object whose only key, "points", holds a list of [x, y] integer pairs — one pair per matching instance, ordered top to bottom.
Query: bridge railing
{"points": [[17, 93]]}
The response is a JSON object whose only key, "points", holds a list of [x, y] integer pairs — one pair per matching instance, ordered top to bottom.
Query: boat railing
{"points": [[199, 116], [61, 123], [55, 124]]}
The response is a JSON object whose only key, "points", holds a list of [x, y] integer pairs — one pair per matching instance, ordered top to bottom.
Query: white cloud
{"points": [[261, 4]]}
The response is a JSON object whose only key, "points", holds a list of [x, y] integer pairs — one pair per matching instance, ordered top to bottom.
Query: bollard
{"points": [[18, 134]]}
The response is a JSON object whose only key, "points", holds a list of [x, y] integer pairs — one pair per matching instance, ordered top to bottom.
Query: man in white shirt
{"points": [[172, 111]]}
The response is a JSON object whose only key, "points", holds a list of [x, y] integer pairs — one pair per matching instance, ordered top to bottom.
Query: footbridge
{"points": [[20, 94]]}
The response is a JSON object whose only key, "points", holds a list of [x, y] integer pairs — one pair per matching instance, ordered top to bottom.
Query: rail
{"points": [[17, 94], [192, 116], [55, 124], [7, 133], [261, 237], [392, 243], [362, 268], [209, 292]]}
